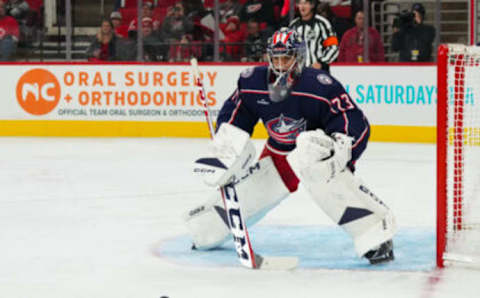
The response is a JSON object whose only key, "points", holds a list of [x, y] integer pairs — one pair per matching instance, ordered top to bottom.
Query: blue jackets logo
{"points": [[284, 129]]}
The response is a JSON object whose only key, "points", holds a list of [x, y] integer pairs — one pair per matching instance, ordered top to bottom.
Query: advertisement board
{"points": [[159, 100]]}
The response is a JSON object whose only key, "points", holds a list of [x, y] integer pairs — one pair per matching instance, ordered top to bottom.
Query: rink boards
{"points": [[158, 100]]}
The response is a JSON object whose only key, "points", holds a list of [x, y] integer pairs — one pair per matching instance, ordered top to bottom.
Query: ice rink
{"points": [[102, 218]]}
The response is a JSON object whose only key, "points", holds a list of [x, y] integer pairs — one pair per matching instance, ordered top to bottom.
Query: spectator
{"points": [[357, 5], [193, 8], [229, 8], [285, 8], [20, 10], [260, 10], [277, 10], [147, 12], [176, 23], [340, 25], [120, 29], [175, 29], [9, 34], [203, 34], [318, 34], [234, 35], [412, 38], [150, 41], [255, 43], [103, 45], [351, 45]]}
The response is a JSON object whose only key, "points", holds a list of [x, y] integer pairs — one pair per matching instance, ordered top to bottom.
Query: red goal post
{"points": [[458, 155]]}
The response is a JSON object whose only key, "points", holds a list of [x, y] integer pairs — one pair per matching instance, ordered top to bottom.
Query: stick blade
{"points": [[276, 263]]}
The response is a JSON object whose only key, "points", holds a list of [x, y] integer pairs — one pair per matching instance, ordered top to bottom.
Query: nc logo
{"points": [[38, 91]]}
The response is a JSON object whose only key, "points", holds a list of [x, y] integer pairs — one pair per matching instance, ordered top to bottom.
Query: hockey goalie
{"points": [[316, 134]]}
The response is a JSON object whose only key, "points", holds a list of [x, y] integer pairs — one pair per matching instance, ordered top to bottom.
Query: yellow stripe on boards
{"points": [[63, 128], [379, 133], [386, 133], [403, 134]]}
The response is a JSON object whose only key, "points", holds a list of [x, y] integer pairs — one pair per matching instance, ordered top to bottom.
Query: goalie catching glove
{"points": [[230, 153], [319, 156]]}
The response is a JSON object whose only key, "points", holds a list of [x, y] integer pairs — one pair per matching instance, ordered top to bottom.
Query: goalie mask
{"points": [[286, 58]]}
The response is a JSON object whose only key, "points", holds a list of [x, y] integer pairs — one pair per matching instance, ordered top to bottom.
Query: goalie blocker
{"points": [[229, 162], [319, 162]]}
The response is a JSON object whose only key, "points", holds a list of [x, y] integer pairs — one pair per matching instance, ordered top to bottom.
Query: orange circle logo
{"points": [[38, 91]]}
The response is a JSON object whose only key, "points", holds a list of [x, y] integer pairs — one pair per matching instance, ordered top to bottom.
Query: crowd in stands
{"points": [[182, 28], [176, 30]]}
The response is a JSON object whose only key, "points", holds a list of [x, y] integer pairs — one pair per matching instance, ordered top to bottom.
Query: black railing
{"points": [[153, 51]]}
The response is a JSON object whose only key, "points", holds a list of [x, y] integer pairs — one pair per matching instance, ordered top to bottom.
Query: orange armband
{"points": [[330, 41]]}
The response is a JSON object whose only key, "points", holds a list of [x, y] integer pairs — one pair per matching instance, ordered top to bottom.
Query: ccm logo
{"points": [[203, 170], [196, 210]]}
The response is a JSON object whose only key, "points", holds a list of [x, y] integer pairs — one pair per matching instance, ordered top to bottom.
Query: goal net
{"points": [[458, 155]]}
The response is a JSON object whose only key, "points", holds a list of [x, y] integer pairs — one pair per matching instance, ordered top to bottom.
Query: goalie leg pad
{"points": [[259, 190], [349, 203], [207, 223]]}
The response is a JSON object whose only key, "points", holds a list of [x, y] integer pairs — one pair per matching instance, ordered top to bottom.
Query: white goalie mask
{"points": [[286, 58]]}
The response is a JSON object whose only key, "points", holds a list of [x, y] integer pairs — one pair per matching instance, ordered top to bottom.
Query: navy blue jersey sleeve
{"points": [[236, 112], [345, 117]]}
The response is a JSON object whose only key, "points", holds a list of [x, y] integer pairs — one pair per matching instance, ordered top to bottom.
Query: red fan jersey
{"points": [[9, 26]]}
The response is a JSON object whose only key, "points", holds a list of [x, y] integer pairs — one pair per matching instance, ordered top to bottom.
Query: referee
{"points": [[317, 32]]}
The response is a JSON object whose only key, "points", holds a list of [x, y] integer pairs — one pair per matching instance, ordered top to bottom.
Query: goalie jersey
{"points": [[316, 100]]}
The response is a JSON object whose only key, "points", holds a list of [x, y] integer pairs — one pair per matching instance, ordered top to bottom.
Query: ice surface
{"points": [[100, 217], [318, 247]]}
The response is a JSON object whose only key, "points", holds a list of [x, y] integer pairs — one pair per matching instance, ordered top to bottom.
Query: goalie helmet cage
{"points": [[458, 155]]}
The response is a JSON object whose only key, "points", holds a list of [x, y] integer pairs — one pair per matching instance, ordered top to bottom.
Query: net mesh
{"points": [[463, 155]]}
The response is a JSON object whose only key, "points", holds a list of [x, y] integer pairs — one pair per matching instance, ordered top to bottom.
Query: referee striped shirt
{"points": [[320, 39]]}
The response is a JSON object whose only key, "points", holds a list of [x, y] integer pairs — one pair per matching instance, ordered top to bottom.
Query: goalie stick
{"points": [[237, 225]]}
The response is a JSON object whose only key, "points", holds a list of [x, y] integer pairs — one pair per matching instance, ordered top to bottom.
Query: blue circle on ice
{"points": [[316, 247]]}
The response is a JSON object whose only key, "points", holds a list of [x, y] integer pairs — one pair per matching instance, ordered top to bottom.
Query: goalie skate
{"points": [[382, 254]]}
